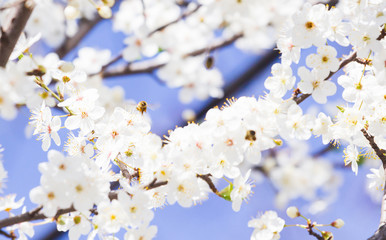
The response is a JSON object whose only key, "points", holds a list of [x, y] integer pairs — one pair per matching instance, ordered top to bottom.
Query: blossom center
{"points": [[310, 25], [84, 115], [79, 188], [50, 195]]}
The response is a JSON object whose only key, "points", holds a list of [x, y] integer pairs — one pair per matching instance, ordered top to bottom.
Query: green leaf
{"points": [[226, 192]]}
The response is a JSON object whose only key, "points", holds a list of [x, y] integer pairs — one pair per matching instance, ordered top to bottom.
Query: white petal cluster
{"points": [[69, 181], [266, 227]]}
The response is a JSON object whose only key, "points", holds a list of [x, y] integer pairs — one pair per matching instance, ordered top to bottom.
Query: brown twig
{"points": [[182, 16], [12, 28], [69, 43], [153, 64], [298, 99], [324, 150], [380, 152], [382, 155], [125, 172], [206, 178], [155, 184], [35, 214], [311, 231], [10, 235]]}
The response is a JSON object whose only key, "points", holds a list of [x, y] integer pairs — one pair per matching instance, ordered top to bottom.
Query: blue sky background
{"points": [[214, 218]]}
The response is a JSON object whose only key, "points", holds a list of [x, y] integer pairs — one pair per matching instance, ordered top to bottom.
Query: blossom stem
{"points": [[40, 83], [206, 178], [8, 235]]}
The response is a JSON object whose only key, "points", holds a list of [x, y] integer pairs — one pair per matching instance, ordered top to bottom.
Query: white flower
{"points": [[309, 26], [337, 30], [364, 38], [23, 44], [325, 61], [281, 81], [313, 83], [357, 86], [84, 116], [297, 125], [46, 126], [322, 127], [351, 155], [377, 178], [183, 190], [241, 191], [8, 203], [111, 216], [76, 223], [267, 227], [142, 233]]}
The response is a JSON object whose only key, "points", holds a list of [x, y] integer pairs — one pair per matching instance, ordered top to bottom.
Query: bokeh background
{"points": [[244, 75]]}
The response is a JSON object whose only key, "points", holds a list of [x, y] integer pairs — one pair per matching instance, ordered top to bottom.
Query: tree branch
{"points": [[182, 16], [12, 28], [69, 43], [153, 64], [301, 98], [380, 152], [207, 179], [155, 184], [36, 215], [8, 235]]}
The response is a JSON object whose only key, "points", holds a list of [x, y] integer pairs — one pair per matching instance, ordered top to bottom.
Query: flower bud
{"points": [[105, 11], [71, 12], [66, 67], [293, 212], [338, 223], [327, 235]]}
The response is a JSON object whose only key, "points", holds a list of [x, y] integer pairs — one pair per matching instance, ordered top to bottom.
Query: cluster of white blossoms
{"points": [[254, 26], [105, 131]]}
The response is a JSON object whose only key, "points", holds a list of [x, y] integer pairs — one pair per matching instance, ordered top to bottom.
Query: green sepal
{"points": [[361, 160], [226, 192]]}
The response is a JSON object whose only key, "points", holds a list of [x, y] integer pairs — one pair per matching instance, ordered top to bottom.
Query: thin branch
{"points": [[182, 16], [12, 29], [69, 43], [218, 44], [351, 58], [153, 64], [257, 67], [301, 98], [324, 150], [380, 152], [382, 155], [125, 172], [207, 179], [155, 184], [36, 215], [311, 231], [8, 235], [317, 236]]}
